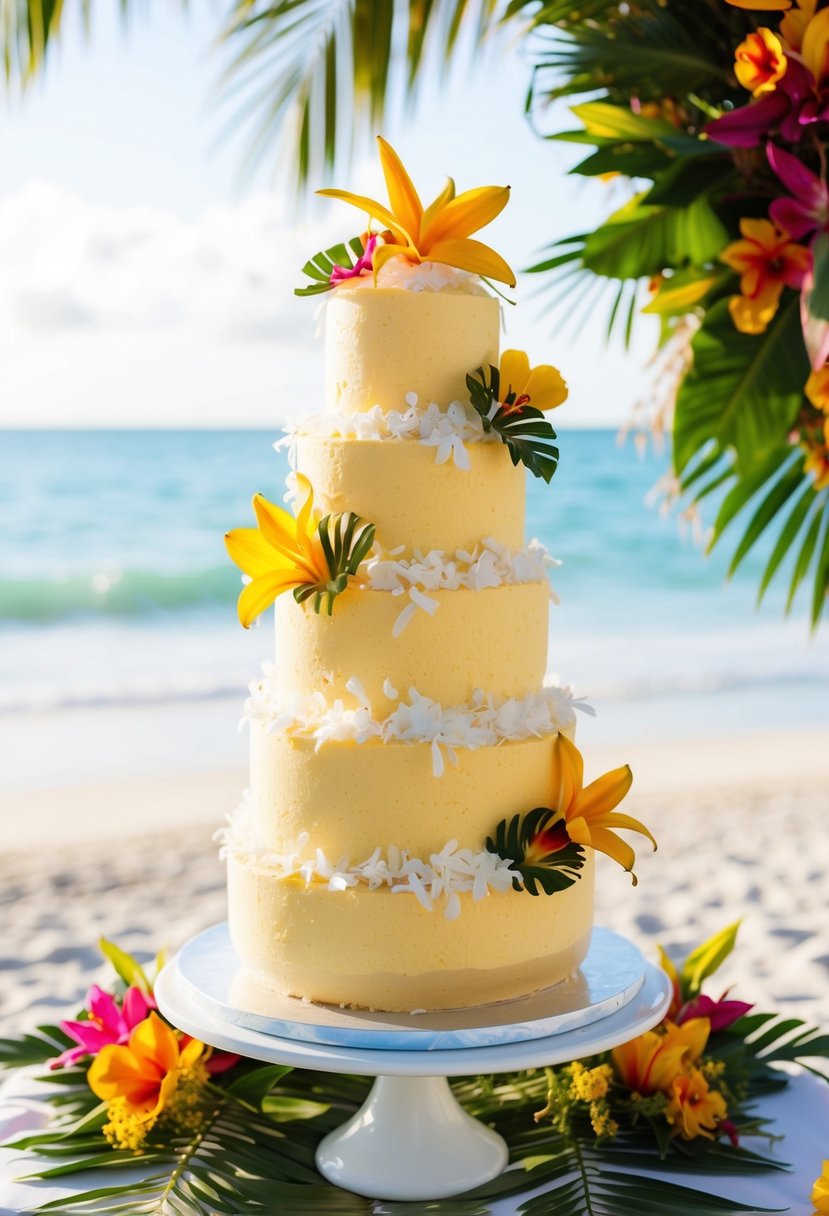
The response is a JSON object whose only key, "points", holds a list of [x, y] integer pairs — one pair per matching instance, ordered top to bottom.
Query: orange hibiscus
{"points": [[767, 260]]}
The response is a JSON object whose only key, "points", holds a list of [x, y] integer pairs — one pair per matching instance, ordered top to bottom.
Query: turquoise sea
{"points": [[120, 649]]}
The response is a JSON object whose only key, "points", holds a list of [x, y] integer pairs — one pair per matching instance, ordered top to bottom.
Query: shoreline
{"points": [[746, 765]]}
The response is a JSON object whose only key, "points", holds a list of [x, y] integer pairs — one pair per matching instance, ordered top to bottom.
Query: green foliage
{"points": [[321, 265], [743, 390], [529, 437], [346, 540], [551, 871], [706, 959], [126, 967], [38, 1048]]}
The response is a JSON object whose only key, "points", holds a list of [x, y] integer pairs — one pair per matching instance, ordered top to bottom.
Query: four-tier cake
{"points": [[417, 834]]}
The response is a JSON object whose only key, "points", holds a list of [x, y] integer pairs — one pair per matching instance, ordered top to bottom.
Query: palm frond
{"points": [[315, 77]]}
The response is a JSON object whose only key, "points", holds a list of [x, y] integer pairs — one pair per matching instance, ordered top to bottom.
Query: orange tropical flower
{"points": [[762, 6], [793, 26], [759, 62], [438, 233], [767, 260], [541, 387], [817, 389], [817, 459], [590, 813], [691, 1036], [648, 1064], [144, 1072], [694, 1109], [820, 1192]]}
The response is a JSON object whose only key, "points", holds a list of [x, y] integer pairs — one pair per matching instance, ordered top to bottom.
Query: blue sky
{"points": [[143, 280]]}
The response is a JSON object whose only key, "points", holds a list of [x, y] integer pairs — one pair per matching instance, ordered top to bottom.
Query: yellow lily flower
{"points": [[438, 233], [542, 387], [282, 553], [301, 554], [589, 813], [648, 1064], [694, 1109]]}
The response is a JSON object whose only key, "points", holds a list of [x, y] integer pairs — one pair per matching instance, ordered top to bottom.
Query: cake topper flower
{"points": [[440, 232], [511, 400], [310, 556], [546, 844]]}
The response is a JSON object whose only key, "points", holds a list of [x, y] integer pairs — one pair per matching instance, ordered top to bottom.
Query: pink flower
{"points": [[791, 106], [809, 208], [362, 266], [720, 1014], [107, 1024]]}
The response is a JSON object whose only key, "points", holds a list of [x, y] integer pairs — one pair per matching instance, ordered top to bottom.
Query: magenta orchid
{"points": [[791, 107], [808, 209], [362, 266], [720, 1014], [107, 1023]]}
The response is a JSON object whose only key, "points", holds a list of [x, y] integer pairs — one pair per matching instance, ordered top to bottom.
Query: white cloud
{"points": [[120, 315]]}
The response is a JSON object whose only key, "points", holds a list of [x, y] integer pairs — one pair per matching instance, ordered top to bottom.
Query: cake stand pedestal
{"points": [[411, 1140]]}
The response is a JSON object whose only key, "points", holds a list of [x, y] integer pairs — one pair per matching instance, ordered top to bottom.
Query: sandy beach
{"points": [[741, 823]]}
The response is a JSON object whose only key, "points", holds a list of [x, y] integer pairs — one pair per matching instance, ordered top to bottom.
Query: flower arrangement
{"points": [[714, 114], [438, 233], [313, 557], [169, 1124]]}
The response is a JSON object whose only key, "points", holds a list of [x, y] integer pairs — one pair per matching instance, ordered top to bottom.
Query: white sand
{"points": [[743, 825]]}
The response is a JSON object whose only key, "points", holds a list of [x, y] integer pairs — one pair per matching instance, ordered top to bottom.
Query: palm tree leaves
{"points": [[315, 76], [529, 437], [540, 849]]}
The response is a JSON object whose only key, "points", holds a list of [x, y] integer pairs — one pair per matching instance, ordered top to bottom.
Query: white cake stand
{"points": [[411, 1139]]}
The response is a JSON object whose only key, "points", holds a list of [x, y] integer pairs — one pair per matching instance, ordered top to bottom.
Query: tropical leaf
{"points": [[640, 241], [320, 266], [743, 390], [529, 437], [346, 540], [524, 839], [706, 959], [126, 967], [38, 1048]]}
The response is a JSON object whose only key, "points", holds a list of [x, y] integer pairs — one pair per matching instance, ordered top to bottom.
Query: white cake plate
{"points": [[610, 976], [411, 1139]]}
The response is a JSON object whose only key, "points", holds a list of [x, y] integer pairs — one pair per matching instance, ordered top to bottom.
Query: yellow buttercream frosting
{"points": [[384, 342], [413, 501], [446, 656], [352, 797], [384, 950]]}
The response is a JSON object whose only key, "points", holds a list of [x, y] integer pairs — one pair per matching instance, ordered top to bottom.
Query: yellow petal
{"points": [[762, 6], [816, 45], [446, 195], [404, 199], [376, 210], [464, 215], [762, 231], [385, 253], [472, 256], [750, 316], [515, 372], [546, 388], [276, 525], [251, 552], [262, 592], [568, 775], [603, 794], [624, 823], [604, 841], [691, 1037], [153, 1040], [191, 1052], [116, 1073], [165, 1092]]}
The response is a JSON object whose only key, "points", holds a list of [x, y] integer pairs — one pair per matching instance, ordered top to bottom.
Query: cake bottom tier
{"points": [[385, 951]]}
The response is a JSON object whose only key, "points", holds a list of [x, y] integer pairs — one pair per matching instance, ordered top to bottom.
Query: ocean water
{"points": [[120, 651]]}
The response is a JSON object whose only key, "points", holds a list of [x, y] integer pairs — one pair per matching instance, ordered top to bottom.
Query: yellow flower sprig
{"points": [[440, 232], [310, 556]]}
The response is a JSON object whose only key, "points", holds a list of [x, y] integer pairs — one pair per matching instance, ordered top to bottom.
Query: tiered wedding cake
{"points": [[416, 834]]}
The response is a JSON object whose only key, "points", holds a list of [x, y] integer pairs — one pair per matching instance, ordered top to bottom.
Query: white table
{"points": [[801, 1113]]}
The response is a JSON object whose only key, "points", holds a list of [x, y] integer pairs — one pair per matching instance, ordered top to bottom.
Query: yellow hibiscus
{"points": [[438, 233], [542, 387], [144, 1071], [694, 1108], [820, 1192]]}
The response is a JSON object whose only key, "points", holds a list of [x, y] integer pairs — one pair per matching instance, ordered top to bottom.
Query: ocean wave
{"points": [[107, 593], [170, 688]]}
